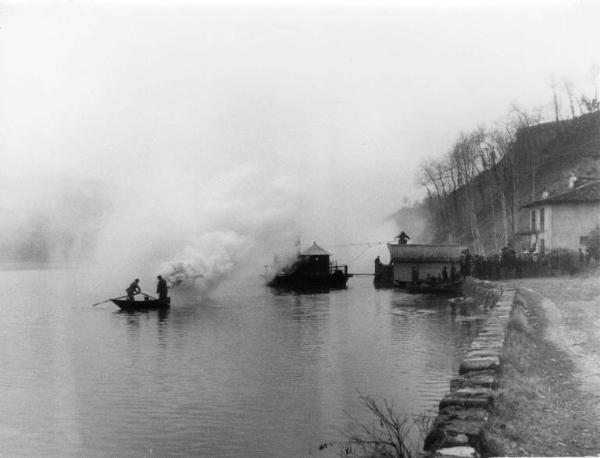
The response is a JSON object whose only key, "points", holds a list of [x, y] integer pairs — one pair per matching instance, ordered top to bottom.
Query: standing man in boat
{"points": [[452, 272], [414, 274], [445, 277], [162, 288], [133, 289]]}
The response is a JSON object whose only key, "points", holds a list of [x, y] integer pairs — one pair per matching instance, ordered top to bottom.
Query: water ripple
{"points": [[247, 373]]}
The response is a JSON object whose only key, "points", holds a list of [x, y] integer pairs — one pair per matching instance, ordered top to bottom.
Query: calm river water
{"points": [[248, 373]]}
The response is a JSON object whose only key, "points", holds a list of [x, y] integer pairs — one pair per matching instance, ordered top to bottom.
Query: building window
{"points": [[542, 219], [533, 221], [542, 245]]}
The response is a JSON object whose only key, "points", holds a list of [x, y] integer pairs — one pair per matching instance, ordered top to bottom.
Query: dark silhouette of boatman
{"points": [[403, 238], [414, 274], [444, 274], [162, 288], [133, 289]]}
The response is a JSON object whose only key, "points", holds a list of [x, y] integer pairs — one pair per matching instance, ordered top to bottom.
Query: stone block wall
{"points": [[458, 428]]}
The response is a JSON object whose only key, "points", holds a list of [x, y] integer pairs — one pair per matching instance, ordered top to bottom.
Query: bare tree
{"points": [[595, 74], [570, 92], [555, 102], [592, 103], [528, 127], [467, 161], [434, 177], [506, 177], [455, 193], [387, 435]]}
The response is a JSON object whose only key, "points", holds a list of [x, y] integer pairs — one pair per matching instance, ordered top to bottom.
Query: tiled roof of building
{"points": [[589, 191], [315, 250]]}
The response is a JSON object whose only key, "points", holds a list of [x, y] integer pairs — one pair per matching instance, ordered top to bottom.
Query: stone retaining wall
{"points": [[458, 428]]}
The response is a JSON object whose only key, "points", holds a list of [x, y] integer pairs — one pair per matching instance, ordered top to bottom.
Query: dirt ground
{"points": [[572, 307], [551, 397]]}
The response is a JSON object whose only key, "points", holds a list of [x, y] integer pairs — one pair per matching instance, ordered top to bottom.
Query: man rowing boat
{"points": [[133, 289]]}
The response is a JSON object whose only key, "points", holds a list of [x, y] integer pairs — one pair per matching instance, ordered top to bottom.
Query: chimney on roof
{"points": [[572, 180]]}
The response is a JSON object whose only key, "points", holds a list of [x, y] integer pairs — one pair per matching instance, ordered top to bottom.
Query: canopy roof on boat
{"points": [[315, 250], [403, 253]]}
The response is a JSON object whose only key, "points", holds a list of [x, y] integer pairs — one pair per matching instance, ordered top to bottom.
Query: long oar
{"points": [[107, 300]]}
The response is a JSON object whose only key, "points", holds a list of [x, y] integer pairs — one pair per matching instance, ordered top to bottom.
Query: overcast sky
{"points": [[324, 108]]}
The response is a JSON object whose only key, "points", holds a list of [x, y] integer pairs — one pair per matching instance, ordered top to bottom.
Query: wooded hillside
{"points": [[475, 192]]}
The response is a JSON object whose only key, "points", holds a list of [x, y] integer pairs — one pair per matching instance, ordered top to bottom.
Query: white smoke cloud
{"points": [[245, 217], [207, 261]]}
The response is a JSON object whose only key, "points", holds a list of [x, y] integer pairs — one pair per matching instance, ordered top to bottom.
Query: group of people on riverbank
{"points": [[509, 264]]}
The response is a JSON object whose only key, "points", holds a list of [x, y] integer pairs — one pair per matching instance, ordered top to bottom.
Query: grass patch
{"points": [[540, 409]]}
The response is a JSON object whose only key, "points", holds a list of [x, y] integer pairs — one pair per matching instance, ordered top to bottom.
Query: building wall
{"points": [[570, 222], [564, 225], [541, 234]]}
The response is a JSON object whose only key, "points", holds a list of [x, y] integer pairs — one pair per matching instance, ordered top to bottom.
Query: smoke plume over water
{"points": [[235, 221], [207, 261]]}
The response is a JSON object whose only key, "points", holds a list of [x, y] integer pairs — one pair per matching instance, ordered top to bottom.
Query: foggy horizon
{"points": [[157, 132]]}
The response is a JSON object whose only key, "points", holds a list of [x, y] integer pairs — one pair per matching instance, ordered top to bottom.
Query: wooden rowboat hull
{"points": [[146, 304]]}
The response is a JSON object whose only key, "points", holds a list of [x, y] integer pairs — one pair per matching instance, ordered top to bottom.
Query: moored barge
{"points": [[422, 268], [311, 270]]}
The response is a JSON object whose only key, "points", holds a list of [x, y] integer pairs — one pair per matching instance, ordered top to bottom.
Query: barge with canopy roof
{"points": [[422, 268], [312, 269]]}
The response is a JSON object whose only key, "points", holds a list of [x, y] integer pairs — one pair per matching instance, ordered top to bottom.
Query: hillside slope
{"points": [[540, 158]]}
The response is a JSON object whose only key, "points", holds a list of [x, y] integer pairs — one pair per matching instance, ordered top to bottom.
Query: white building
{"points": [[563, 220]]}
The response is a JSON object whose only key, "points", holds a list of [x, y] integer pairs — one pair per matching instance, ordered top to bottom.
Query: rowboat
{"points": [[146, 304]]}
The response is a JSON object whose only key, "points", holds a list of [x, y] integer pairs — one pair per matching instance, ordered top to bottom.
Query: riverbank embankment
{"points": [[549, 390], [541, 397], [459, 428]]}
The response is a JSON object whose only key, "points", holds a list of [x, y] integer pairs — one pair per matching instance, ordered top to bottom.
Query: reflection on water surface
{"points": [[246, 373]]}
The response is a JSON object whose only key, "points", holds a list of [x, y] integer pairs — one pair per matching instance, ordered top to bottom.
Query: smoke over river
{"points": [[232, 223], [206, 261]]}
